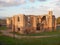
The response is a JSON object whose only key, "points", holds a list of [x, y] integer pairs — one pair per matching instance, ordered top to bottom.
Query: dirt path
{"points": [[7, 33]]}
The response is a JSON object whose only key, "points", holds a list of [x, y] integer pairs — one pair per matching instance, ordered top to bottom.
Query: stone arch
{"points": [[43, 18], [43, 23], [38, 26]]}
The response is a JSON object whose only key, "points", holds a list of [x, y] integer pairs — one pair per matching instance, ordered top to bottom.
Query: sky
{"points": [[9, 8]]}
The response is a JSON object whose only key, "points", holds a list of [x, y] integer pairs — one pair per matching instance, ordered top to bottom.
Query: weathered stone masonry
{"points": [[30, 23]]}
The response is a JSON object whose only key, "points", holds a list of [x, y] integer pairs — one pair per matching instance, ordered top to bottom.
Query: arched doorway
{"points": [[43, 23], [38, 26]]}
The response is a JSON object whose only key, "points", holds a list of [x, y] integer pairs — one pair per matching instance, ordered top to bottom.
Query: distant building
{"points": [[32, 24]]}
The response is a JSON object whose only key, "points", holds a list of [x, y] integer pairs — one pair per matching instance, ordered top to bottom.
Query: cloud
{"points": [[32, 0], [37, 0], [41, 0], [11, 2], [19, 2], [58, 3], [47, 4], [50, 4], [36, 7], [41, 7], [1, 9]]}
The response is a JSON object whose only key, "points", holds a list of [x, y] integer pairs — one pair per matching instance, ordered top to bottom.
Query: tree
{"points": [[58, 20]]}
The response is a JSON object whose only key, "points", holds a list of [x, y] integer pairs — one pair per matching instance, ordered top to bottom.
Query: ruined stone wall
{"points": [[50, 20], [8, 22], [18, 23], [22, 23], [34, 23], [13, 24]]}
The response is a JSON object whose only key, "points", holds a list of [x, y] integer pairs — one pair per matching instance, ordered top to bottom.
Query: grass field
{"points": [[57, 32], [40, 34], [4, 40]]}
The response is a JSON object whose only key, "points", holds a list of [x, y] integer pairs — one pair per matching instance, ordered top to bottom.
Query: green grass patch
{"points": [[3, 28], [39, 34], [4, 40]]}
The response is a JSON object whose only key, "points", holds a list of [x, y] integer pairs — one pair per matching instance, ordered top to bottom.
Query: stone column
{"points": [[50, 13], [8, 22], [16, 23], [21, 23], [34, 23], [13, 24]]}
